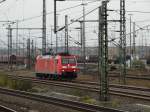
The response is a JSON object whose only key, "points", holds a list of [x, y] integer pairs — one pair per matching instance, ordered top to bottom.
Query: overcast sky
{"points": [[28, 13]]}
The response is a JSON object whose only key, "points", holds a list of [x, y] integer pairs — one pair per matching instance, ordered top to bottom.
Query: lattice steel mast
{"points": [[44, 28], [66, 35], [122, 42], [9, 46], [103, 52], [28, 54]]}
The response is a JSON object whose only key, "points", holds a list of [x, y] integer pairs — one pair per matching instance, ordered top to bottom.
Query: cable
{"points": [[2, 1], [61, 10], [138, 11], [78, 18], [127, 18], [147, 20], [135, 31]]}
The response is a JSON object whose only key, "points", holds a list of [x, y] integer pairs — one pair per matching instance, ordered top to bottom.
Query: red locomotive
{"points": [[56, 67]]}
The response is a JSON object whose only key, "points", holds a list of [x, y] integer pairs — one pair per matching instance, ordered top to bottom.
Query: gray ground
{"points": [[25, 105]]}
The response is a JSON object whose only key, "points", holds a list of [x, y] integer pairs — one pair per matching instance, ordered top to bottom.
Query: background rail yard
{"points": [[75, 56]]}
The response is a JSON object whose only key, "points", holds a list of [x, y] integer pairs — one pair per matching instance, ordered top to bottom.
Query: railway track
{"points": [[132, 77], [116, 85], [119, 90], [58, 102], [6, 109]]}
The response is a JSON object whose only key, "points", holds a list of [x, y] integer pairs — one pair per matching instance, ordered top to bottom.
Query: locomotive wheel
{"points": [[38, 75], [42, 76], [46, 76], [49, 76], [56, 77], [59, 77]]}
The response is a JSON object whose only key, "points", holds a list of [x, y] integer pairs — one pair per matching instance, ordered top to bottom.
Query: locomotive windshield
{"points": [[68, 61]]}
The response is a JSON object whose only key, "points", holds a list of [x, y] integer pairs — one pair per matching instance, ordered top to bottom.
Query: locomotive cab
{"points": [[69, 66]]}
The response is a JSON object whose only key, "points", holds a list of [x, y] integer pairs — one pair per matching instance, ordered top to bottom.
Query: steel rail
{"points": [[132, 77], [80, 83], [116, 86], [118, 90], [58, 102], [6, 109]]}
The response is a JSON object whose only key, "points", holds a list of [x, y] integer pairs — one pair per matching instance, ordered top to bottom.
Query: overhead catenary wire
{"points": [[2, 1], [66, 9], [48, 13], [79, 18], [127, 18]]}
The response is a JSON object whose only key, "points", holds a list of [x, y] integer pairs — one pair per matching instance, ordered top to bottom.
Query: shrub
{"points": [[137, 64], [3, 80], [15, 83], [87, 99]]}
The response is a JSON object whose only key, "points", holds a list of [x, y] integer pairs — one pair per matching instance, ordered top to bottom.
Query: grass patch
{"points": [[3, 80], [23, 85], [34, 90], [76, 92], [87, 99], [115, 103], [146, 110]]}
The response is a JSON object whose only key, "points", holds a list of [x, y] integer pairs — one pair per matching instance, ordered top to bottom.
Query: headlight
{"points": [[73, 66], [64, 67]]}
